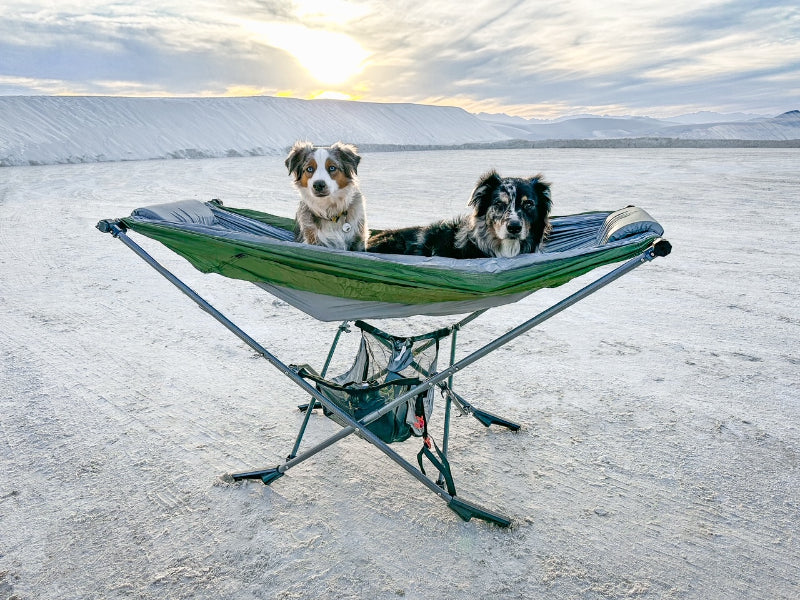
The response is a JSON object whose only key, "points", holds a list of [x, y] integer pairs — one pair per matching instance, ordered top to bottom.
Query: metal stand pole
{"points": [[646, 256], [448, 402], [308, 408], [464, 509]]}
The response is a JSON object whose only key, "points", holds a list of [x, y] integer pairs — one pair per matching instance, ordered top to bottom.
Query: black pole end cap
{"points": [[108, 225], [662, 248]]}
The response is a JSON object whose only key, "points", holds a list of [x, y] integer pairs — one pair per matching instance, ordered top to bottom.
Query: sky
{"points": [[526, 58]]}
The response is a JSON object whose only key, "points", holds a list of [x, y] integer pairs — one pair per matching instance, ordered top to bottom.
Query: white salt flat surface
{"points": [[660, 445]]}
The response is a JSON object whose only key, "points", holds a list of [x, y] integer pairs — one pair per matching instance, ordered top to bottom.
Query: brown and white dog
{"points": [[332, 210], [510, 216]]}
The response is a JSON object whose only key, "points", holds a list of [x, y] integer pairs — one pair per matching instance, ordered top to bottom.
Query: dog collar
{"points": [[345, 226]]}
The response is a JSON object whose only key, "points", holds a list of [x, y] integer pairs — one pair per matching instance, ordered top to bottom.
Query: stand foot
{"points": [[305, 407], [484, 417], [488, 419], [267, 476], [467, 510]]}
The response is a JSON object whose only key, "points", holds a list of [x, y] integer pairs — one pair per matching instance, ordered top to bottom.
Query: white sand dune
{"points": [[40, 130], [43, 130], [660, 449]]}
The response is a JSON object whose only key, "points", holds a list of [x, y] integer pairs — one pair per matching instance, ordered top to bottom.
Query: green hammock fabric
{"points": [[374, 277], [331, 284]]}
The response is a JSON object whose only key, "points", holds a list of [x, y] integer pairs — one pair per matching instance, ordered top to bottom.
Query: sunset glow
{"points": [[329, 57], [329, 95]]}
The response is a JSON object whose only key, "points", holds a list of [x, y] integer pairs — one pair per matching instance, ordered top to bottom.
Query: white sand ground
{"points": [[661, 417]]}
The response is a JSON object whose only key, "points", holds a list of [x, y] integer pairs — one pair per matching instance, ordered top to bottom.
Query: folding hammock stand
{"points": [[387, 394]]}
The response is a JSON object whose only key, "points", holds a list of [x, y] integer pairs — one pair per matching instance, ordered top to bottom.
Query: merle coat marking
{"points": [[510, 216]]}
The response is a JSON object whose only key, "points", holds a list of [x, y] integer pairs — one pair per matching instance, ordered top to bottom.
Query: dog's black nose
{"points": [[320, 186], [514, 227]]}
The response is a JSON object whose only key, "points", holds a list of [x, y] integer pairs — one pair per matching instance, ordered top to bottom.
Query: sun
{"points": [[330, 57]]}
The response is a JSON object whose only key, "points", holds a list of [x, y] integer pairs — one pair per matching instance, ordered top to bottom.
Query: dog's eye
{"points": [[309, 169], [332, 169], [526, 203]]}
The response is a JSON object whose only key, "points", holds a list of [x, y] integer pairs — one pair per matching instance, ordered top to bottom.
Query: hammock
{"points": [[334, 285], [386, 396]]}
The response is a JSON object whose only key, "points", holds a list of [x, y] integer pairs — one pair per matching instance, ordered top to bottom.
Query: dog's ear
{"points": [[348, 155], [297, 157], [542, 189], [482, 194], [541, 225]]}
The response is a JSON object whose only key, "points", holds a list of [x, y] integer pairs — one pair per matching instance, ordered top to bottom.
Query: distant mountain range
{"points": [[685, 119], [700, 126], [58, 129]]}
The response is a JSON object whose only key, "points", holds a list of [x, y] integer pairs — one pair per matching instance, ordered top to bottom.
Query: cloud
{"points": [[145, 48], [511, 55], [597, 57]]}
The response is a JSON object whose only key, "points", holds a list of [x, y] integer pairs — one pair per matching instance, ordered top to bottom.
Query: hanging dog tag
{"points": [[347, 227]]}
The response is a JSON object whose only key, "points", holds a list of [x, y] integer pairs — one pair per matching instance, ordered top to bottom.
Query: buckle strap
{"points": [[440, 463]]}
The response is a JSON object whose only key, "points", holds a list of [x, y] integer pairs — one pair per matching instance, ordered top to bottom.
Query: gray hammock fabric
{"points": [[336, 285]]}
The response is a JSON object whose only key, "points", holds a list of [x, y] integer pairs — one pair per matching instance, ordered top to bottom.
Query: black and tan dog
{"points": [[509, 217]]}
